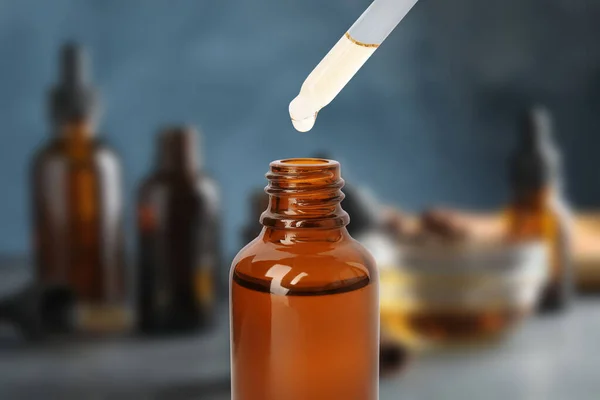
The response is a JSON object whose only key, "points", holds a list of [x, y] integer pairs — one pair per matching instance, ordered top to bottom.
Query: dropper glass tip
{"points": [[302, 114], [304, 125]]}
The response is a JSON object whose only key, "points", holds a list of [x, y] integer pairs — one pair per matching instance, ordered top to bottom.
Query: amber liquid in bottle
{"points": [[77, 208], [540, 215], [178, 246], [304, 296]]}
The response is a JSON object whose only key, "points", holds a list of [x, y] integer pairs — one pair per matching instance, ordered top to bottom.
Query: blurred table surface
{"points": [[549, 358]]}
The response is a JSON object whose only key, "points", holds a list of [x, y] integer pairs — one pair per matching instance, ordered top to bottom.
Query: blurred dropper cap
{"points": [[74, 97], [177, 149], [536, 162], [39, 311], [393, 357]]}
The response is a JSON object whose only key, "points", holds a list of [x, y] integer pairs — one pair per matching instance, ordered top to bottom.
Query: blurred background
{"points": [[437, 104], [431, 120]]}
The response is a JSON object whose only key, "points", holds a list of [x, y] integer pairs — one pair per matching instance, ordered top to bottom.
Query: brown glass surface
{"points": [[538, 215], [77, 217], [304, 296]]}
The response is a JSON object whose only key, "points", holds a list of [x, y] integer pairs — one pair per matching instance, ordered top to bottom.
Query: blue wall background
{"points": [[430, 119]]}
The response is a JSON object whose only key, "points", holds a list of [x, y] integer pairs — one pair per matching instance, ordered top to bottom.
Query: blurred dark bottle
{"points": [[258, 203], [78, 206], [538, 210], [365, 211], [179, 247]]}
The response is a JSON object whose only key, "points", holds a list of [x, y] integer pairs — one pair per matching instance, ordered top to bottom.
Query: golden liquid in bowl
{"points": [[423, 328]]}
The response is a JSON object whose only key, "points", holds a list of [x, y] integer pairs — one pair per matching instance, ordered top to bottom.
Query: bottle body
{"points": [[543, 215], [77, 222], [177, 258], [213, 282], [304, 298], [304, 320]]}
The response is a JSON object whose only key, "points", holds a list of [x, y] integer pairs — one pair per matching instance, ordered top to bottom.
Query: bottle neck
{"points": [[76, 130], [177, 153], [305, 196], [533, 198], [296, 236]]}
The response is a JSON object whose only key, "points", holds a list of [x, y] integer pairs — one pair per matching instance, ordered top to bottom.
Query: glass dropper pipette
{"points": [[345, 59]]}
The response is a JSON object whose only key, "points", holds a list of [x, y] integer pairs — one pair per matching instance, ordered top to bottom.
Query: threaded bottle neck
{"points": [[305, 193]]}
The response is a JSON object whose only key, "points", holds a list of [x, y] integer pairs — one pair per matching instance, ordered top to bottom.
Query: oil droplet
{"points": [[302, 113], [304, 125]]}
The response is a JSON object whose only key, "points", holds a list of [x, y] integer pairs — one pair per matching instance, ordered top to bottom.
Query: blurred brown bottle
{"points": [[77, 204], [363, 207], [537, 210], [179, 247], [304, 295]]}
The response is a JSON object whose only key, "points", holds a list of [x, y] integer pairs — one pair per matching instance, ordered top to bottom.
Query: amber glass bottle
{"points": [[77, 205], [537, 210], [178, 224], [304, 296]]}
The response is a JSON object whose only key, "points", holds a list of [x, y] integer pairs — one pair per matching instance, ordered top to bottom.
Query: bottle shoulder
{"points": [[100, 145], [56, 148], [56, 161], [175, 183], [209, 188], [552, 207], [551, 221], [305, 265]]}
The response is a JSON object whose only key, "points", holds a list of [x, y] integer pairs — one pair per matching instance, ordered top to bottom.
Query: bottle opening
{"points": [[306, 161]]}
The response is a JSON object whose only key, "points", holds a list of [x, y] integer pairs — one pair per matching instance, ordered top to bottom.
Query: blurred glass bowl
{"points": [[441, 294]]}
